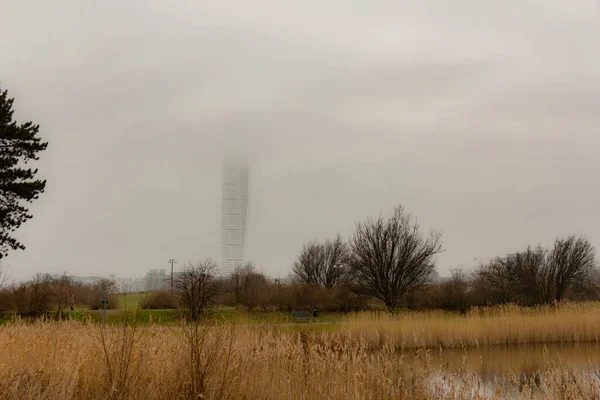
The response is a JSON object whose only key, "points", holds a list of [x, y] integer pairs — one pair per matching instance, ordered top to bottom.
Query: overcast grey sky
{"points": [[481, 117]]}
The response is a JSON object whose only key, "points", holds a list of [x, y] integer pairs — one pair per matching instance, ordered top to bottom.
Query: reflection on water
{"points": [[492, 362]]}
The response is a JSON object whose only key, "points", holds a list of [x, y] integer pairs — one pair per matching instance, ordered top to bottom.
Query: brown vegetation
{"points": [[387, 262], [324, 265], [539, 275], [196, 286], [247, 286], [44, 294], [158, 300], [488, 326], [359, 360]]}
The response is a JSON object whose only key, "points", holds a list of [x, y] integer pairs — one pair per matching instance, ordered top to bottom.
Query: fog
{"points": [[480, 118]]}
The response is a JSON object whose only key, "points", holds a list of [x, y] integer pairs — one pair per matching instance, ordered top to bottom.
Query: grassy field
{"points": [[130, 301], [128, 304], [118, 317], [356, 357]]}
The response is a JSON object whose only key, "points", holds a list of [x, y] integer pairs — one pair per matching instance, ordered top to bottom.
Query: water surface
{"points": [[491, 362]]}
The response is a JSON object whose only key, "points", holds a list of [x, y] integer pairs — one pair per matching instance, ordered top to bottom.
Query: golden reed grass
{"points": [[507, 325], [72, 360]]}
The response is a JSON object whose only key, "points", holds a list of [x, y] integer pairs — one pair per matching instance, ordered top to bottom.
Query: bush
{"points": [[91, 295], [293, 295], [34, 297], [6, 300], [159, 300], [94, 303]]}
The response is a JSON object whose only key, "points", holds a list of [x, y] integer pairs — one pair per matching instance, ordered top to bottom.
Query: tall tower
{"points": [[234, 212]]}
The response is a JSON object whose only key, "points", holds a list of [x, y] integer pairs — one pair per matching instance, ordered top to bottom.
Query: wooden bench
{"points": [[300, 316]]}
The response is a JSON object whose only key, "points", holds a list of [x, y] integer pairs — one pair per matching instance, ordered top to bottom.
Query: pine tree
{"points": [[19, 144]]}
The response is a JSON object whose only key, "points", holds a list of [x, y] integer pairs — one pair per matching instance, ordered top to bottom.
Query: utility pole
{"points": [[172, 261], [104, 300]]}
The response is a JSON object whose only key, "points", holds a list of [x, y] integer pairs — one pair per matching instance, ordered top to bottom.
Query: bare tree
{"points": [[391, 257], [336, 260], [570, 262], [323, 264], [307, 266], [4, 274], [538, 275], [544, 275], [497, 279], [534, 281], [248, 285], [104, 286], [196, 286], [99, 288], [459, 288], [590, 289], [63, 291], [34, 297]]}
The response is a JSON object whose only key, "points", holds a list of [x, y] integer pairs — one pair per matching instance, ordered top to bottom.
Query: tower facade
{"points": [[234, 212]]}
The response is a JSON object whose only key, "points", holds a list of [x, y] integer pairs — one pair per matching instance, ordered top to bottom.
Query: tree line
{"points": [[390, 260], [387, 261], [539, 275], [45, 294]]}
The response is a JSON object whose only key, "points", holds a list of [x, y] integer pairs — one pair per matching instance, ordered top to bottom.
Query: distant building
{"points": [[234, 213], [155, 280], [122, 285], [130, 285], [137, 285]]}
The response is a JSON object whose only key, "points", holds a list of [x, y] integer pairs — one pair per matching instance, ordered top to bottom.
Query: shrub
{"points": [[92, 294], [34, 297], [159, 300], [6, 301], [95, 303]]}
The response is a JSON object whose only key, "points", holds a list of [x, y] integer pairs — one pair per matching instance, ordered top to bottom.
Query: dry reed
{"points": [[507, 325], [70, 360]]}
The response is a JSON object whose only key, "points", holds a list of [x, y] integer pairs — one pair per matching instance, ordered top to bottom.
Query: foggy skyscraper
{"points": [[234, 212]]}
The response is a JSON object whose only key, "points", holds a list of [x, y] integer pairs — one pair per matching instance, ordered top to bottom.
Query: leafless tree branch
{"points": [[391, 257], [323, 264], [196, 286]]}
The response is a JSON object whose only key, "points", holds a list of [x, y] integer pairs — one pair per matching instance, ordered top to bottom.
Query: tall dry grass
{"points": [[506, 325], [67, 360], [72, 360]]}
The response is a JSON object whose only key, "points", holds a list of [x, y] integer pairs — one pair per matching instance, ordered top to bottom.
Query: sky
{"points": [[481, 118]]}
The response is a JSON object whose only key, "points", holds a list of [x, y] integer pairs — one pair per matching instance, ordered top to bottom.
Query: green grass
{"points": [[129, 301], [128, 304], [221, 315], [236, 315], [242, 316], [118, 317], [5, 318]]}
